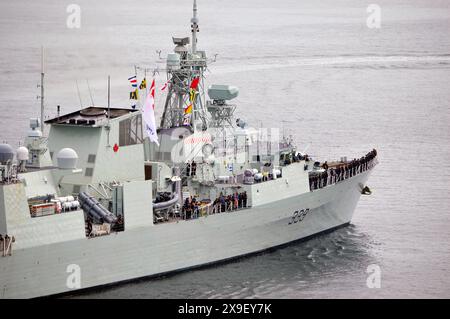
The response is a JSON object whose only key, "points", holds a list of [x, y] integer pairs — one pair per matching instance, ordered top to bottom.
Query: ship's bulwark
{"points": [[148, 251]]}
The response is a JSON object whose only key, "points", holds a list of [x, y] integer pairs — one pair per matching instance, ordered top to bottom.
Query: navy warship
{"points": [[105, 196]]}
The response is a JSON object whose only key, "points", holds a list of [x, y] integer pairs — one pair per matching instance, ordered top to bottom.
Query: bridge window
{"points": [[130, 131], [91, 158], [89, 171]]}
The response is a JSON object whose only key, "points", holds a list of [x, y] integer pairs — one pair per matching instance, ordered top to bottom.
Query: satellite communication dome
{"points": [[6, 153], [22, 154], [67, 159]]}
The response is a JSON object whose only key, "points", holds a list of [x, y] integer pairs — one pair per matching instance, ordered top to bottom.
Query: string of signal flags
{"points": [[134, 94]]}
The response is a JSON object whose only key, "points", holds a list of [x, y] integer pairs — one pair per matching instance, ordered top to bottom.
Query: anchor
{"points": [[366, 191]]}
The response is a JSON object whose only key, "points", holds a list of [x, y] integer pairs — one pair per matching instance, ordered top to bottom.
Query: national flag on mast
{"points": [[133, 81], [152, 92], [148, 115]]}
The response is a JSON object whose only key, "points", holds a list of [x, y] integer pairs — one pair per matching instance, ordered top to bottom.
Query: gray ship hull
{"points": [[149, 251]]}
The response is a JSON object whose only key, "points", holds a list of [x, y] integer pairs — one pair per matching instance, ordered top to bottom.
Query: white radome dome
{"points": [[22, 154], [67, 158]]}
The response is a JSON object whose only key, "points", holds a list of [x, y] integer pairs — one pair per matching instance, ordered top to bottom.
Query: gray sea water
{"points": [[313, 67]]}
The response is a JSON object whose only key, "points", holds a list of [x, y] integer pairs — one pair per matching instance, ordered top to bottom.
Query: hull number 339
{"points": [[298, 216]]}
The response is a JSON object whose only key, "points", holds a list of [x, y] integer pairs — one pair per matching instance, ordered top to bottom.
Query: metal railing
{"points": [[333, 176]]}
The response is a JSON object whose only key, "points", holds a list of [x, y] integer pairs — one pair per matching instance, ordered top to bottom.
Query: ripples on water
{"points": [[338, 86]]}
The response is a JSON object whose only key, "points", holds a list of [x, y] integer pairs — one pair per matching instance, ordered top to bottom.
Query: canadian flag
{"points": [[148, 115]]}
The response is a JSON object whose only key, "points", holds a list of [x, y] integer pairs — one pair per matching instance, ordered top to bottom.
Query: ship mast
{"points": [[194, 27], [183, 66], [42, 89]]}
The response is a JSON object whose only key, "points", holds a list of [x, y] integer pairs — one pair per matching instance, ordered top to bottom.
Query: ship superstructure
{"points": [[96, 202]]}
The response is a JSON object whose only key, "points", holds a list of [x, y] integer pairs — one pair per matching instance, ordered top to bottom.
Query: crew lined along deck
{"points": [[336, 172], [321, 176], [224, 203], [194, 208]]}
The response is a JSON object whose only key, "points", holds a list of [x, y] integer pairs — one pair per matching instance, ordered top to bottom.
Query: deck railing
{"points": [[342, 172]]}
